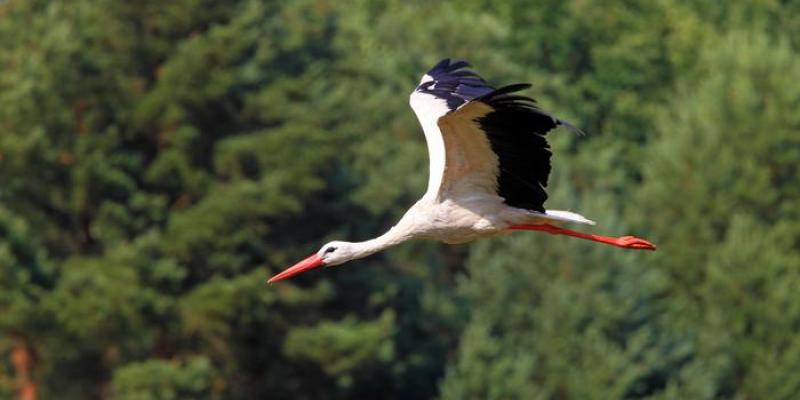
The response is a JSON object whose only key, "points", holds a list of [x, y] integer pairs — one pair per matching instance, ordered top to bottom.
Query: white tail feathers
{"points": [[568, 216]]}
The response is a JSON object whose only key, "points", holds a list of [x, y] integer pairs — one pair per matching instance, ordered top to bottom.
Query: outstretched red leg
{"points": [[627, 242]]}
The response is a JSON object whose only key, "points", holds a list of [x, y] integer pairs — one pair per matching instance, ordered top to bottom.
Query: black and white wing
{"points": [[483, 139]]}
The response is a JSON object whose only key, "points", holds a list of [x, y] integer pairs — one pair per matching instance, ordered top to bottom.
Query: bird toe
{"points": [[632, 242]]}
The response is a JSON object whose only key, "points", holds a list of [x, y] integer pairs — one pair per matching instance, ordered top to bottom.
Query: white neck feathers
{"points": [[394, 236]]}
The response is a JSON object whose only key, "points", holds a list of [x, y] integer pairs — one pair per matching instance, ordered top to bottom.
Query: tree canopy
{"points": [[160, 160]]}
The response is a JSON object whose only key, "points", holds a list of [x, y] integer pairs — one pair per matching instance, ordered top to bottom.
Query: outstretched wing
{"points": [[482, 139]]}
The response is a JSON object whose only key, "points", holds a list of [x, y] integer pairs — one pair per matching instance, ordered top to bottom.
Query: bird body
{"points": [[489, 164], [460, 218]]}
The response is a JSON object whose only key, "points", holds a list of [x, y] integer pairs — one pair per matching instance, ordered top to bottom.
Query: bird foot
{"points": [[633, 242]]}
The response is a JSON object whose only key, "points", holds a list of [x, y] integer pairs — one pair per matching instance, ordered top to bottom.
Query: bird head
{"points": [[333, 253]]}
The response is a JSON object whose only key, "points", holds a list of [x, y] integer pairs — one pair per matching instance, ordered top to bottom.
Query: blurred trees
{"points": [[159, 161]]}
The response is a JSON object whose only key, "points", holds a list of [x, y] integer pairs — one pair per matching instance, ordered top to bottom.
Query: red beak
{"points": [[313, 261]]}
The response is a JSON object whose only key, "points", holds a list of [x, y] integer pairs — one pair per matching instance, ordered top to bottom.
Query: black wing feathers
{"points": [[455, 85], [516, 130]]}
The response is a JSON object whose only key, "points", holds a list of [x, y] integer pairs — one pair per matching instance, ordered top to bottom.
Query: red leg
{"points": [[627, 242]]}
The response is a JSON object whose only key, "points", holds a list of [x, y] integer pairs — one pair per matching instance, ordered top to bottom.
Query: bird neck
{"points": [[394, 236]]}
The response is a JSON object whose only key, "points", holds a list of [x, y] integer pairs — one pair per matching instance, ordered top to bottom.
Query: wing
{"points": [[442, 89], [482, 139]]}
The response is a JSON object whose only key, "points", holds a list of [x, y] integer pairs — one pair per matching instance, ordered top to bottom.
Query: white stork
{"points": [[489, 163]]}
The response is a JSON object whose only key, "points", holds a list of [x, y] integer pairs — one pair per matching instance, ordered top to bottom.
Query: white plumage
{"points": [[489, 163]]}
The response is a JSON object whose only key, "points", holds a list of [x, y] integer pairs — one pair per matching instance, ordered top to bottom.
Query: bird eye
{"points": [[330, 249]]}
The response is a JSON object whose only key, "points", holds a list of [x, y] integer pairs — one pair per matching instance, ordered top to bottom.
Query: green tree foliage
{"points": [[726, 150], [159, 160], [163, 380]]}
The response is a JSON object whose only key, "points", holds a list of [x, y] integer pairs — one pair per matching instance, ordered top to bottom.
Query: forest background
{"points": [[159, 160]]}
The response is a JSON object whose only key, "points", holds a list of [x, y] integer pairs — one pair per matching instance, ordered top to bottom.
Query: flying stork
{"points": [[489, 163]]}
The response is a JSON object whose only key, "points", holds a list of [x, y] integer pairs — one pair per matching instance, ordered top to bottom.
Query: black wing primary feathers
{"points": [[454, 84], [515, 127], [516, 130]]}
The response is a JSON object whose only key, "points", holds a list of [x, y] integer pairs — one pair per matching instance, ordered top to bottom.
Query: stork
{"points": [[489, 163]]}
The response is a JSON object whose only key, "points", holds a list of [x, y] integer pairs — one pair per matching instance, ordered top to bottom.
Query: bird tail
{"points": [[567, 216]]}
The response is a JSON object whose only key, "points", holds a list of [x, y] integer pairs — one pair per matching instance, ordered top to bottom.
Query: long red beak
{"points": [[313, 261]]}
